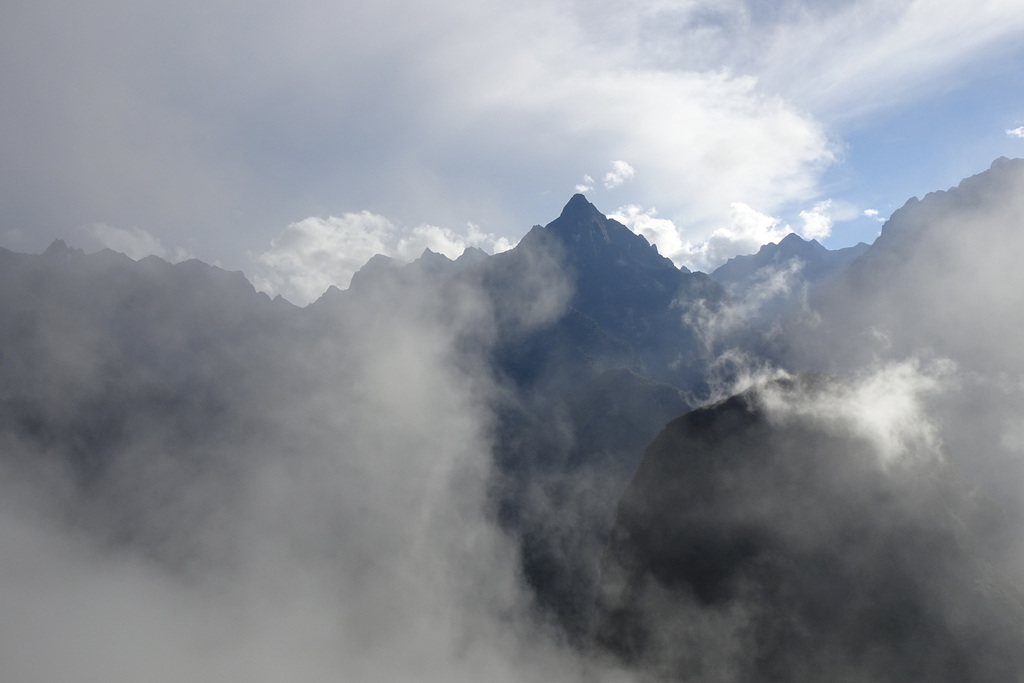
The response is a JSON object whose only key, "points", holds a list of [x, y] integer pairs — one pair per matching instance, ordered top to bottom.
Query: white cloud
{"points": [[858, 56], [715, 106], [1016, 132], [620, 173], [586, 186], [874, 213], [817, 221], [660, 232], [746, 232], [445, 241], [315, 253], [312, 254], [885, 405]]}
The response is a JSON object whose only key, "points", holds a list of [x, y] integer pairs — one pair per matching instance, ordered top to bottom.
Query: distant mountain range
{"points": [[816, 263], [842, 426]]}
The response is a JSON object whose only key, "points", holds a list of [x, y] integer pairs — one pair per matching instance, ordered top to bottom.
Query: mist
{"points": [[570, 461], [230, 488], [847, 504]]}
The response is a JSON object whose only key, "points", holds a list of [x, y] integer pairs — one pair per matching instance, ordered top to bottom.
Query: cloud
{"points": [[869, 54], [1016, 132], [219, 138], [218, 144], [620, 173], [586, 186], [874, 213], [817, 221], [747, 230], [660, 232], [135, 243], [315, 253], [312, 254], [885, 405], [780, 495], [314, 506]]}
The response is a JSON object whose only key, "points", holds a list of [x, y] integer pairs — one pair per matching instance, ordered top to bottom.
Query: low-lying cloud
{"points": [[315, 253], [321, 515]]}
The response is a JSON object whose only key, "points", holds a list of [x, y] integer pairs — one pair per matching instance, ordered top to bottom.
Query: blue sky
{"points": [[293, 142], [928, 143]]}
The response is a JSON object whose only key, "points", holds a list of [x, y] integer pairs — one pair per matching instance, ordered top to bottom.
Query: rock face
{"points": [[752, 546]]}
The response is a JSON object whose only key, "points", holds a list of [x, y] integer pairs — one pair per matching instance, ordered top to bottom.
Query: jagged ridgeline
{"points": [[854, 522]]}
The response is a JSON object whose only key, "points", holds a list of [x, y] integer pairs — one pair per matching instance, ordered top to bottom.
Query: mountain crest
{"points": [[579, 208], [590, 238], [60, 249]]}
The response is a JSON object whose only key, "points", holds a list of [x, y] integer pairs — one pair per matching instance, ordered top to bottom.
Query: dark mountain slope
{"points": [[633, 293], [752, 546]]}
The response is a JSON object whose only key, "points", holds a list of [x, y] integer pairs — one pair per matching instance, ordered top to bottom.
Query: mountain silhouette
{"points": [[784, 550]]}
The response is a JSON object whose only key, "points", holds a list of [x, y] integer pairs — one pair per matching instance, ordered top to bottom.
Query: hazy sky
{"points": [[263, 138]]}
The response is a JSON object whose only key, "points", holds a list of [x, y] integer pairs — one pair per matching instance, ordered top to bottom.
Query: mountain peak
{"points": [[578, 209], [589, 236], [792, 238], [60, 248]]}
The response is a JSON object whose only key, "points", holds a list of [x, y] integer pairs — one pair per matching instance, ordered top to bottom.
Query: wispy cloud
{"points": [[1016, 132]]}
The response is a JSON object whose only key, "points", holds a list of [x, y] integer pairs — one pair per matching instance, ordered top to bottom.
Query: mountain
{"points": [[812, 261], [941, 268], [620, 281], [576, 337], [122, 383], [594, 383], [483, 441], [856, 525], [762, 543]]}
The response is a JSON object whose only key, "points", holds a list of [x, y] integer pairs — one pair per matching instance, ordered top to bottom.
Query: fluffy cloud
{"points": [[1016, 132], [620, 173], [817, 221], [747, 230], [660, 232], [315, 253]]}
